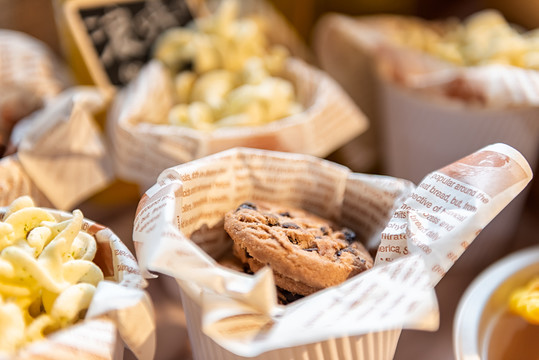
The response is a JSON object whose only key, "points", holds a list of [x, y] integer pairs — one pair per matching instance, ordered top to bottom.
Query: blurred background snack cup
{"points": [[106, 45], [350, 62], [30, 64], [30, 75], [428, 109], [145, 143], [51, 144], [142, 150], [61, 156], [416, 235], [120, 314], [484, 325]]}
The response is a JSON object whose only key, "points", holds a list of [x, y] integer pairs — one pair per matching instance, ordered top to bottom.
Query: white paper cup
{"points": [[420, 133], [360, 201], [486, 299], [371, 346]]}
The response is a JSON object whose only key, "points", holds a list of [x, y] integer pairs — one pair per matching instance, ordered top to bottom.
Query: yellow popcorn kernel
{"points": [[482, 39], [175, 48], [205, 57], [275, 59], [530, 60], [254, 71], [183, 84], [212, 87], [278, 96], [178, 115], [197, 115], [200, 116], [243, 119], [17, 204], [26, 219], [7, 236], [38, 237], [83, 247], [76, 271], [71, 302], [12, 327], [38, 328]]}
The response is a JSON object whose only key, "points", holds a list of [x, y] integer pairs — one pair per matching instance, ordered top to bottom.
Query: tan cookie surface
{"points": [[306, 252]]}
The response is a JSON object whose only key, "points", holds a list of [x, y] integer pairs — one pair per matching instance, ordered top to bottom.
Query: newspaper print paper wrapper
{"points": [[417, 115], [142, 150], [61, 153], [120, 315], [232, 315]]}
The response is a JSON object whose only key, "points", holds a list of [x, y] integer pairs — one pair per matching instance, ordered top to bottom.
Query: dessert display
{"points": [[225, 72], [205, 133], [306, 253]]}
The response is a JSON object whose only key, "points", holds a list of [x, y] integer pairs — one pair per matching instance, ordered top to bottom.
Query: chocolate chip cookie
{"points": [[306, 252]]}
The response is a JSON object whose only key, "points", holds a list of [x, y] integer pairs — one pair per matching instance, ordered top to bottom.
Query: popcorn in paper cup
{"points": [[225, 72], [234, 88], [428, 101], [178, 231], [69, 286]]}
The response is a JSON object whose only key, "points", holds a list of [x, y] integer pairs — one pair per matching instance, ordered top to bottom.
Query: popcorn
{"points": [[484, 38], [226, 63]]}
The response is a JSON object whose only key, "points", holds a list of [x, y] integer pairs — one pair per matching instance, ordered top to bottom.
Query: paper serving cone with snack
{"points": [[223, 81], [214, 224], [68, 286]]}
